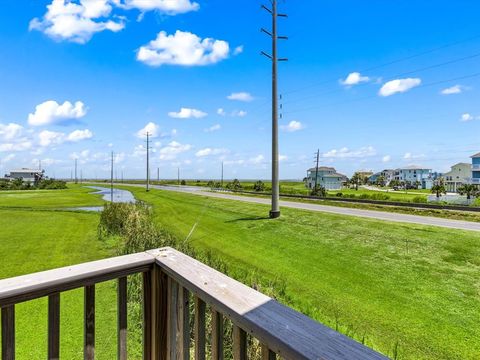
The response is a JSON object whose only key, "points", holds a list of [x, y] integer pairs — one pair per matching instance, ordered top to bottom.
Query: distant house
{"points": [[475, 169], [415, 174], [459, 174], [27, 175], [387, 175], [326, 177]]}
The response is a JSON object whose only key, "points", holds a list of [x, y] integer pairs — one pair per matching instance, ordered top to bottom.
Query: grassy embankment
{"points": [[34, 236], [399, 288]]}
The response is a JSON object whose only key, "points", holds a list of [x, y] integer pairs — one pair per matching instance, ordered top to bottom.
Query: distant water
{"points": [[119, 196]]}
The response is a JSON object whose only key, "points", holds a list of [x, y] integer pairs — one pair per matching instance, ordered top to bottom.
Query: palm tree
{"points": [[356, 179], [439, 188], [469, 190]]}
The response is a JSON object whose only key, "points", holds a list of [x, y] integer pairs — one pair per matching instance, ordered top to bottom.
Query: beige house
{"points": [[459, 174]]}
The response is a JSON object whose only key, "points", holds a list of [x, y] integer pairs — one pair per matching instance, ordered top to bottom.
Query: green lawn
{"points": [[75, 195], [33, 240], [394, 286], [410, 287]]}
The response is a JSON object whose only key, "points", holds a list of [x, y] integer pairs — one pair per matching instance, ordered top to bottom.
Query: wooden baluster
{"points": [[155, 299], [147, 315], [122, 318], [172, 319], [183, 322], [89, 323], [54, 326], [199, 329], [8, 332], [217, 335], [239, 343], [268, 354]]}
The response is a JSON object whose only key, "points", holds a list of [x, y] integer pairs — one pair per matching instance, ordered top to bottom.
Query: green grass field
{"points": [[33, 239], [394, 286], [405, 289]]}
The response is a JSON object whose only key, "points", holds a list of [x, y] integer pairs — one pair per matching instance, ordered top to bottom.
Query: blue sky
{"points": [[373, 85]]}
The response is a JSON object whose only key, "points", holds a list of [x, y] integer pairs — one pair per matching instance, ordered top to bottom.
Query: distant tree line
{"points": [[44, 184]]}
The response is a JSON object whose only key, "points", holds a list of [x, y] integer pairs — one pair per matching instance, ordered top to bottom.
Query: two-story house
{"points": [[459, 174], [326, 177]]}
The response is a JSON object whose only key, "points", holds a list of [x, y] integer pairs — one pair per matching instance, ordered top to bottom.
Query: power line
{"points": [[406, 58], [391, 77], [375, 96]]}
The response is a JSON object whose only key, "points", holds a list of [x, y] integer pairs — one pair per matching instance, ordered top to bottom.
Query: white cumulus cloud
{"points": [[169, 7], [76, 22], [183, 48], [354, 78], [399, 86], [456, 89], [240, 96], [51, 112], [187, 113], [467, 117], [292, 126], [151, 128], [213, 128], [10, 131], [79, 135], [173, 149], [210, 151], [346, 153], [386, 158]]}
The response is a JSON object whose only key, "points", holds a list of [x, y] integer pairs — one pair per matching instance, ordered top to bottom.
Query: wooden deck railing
{"points": [[170, 280]]}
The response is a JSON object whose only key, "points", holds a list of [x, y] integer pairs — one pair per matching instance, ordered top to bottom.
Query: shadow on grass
{"points": [[249, 218]]}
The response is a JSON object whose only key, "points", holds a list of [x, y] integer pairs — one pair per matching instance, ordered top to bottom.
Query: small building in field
{"points": [[27, 175], [415, 175], [459, 175], [326, 177]]}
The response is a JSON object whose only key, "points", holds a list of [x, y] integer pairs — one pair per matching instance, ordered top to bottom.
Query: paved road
{"points": [[371, 214]]}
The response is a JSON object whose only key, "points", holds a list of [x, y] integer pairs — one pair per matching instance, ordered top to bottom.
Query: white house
{"points": [[414, 174], [459, 174], [27, 175], [326, 177]]}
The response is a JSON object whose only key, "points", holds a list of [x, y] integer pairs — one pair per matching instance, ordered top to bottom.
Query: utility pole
{"points": [[148, 161], [316, 169], [158, 174], [222, 175], [81, 176], [122, 176], [178, 176], [76, 178], [111, 180], [275, 210]]}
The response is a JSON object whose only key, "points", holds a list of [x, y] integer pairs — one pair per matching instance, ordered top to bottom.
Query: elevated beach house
{"points": [[415, 174], [458, 175], [325, 176]]}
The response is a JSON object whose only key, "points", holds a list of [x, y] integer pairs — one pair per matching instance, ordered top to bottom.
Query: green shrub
{"points": [[259, 186], [339, 194], [419, 199]]}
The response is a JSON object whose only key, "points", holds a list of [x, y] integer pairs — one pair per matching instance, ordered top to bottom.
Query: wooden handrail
{"points": [[169, 277], [32, 286], [285, 331]]}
